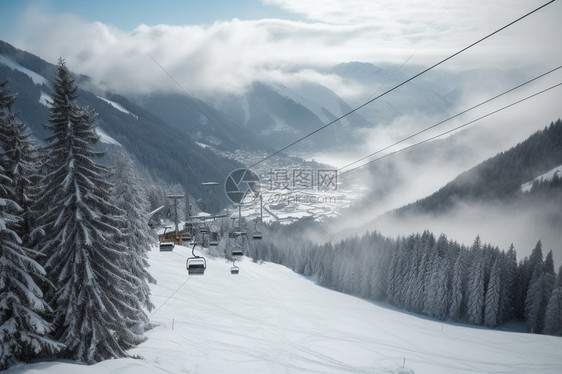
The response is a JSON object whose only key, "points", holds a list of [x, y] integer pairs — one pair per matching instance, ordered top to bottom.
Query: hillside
{"points": [[158, 147], [499, 178], [507, 199], [258, 322]]}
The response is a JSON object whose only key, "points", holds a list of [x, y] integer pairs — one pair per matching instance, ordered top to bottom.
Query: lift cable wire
{"points": [[402, 84], [450, 118], [345, 124], [451, 130], [170, 297]]}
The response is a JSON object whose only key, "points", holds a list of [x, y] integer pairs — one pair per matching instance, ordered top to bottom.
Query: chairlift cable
{"points": [[403, 83], [452, 117], [339, 129], [453, 129], [169, 297]]}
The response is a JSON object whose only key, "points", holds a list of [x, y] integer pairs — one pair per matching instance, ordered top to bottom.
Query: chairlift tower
{"points": [[211, 188], [187, 206], [176, 218]]}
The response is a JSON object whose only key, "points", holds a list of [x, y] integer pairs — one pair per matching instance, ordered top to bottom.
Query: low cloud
{"points": [[228, 56], [497, 224]]}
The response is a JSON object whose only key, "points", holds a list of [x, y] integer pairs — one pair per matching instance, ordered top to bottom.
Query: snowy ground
{"points": [[526, 187], [268, 319]]}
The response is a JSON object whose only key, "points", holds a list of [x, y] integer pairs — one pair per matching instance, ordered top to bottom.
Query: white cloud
{"points": [[228, 56]]}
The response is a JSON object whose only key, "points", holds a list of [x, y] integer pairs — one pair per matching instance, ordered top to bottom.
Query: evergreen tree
{"points": [[20, 162], [137, 236], [80, 242], [457, 289], [510, 290], [475, 294], [538, 295], [492, 300], [553, 317], [23, 324]]}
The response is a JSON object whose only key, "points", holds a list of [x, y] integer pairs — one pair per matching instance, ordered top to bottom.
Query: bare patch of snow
{"points": [[36, 78], [44, 97], [118, 106], [104, 138], [526, 187]]}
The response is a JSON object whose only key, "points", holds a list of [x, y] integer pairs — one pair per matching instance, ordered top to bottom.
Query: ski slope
{"points": [[268, 319]]}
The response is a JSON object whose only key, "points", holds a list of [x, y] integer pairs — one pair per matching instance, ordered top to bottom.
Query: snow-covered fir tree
{"points": [[20, 159], [129, 196], [84, 255], [457, 288], [475, 291], [492, 298], [553, 317], [24, 328]]}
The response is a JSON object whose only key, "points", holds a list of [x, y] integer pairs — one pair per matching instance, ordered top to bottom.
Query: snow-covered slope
{"points": [[36, 78], [118, 106], [104, 138], [526, 187], [268, 319]]}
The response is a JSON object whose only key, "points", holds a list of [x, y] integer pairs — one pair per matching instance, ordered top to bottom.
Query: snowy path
{"points": [[270, 320]]}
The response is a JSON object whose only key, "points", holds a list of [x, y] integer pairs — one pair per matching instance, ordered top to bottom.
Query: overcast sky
{"points": [[225, 45]]}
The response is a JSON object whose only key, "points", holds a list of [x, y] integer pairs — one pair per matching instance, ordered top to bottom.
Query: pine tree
{"points": [[21, 165], [129, 197], [81, 238], [457, 289], [475, 294], [538, 295], [509, 297], [492, 299], [553, 317], [23, 324]]}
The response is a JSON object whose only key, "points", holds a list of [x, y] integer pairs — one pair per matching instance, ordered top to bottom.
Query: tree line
{"points": [[74, 238], [437, 277]]}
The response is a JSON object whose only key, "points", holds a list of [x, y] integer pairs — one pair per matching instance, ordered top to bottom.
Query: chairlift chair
{"points": [[204, 230], [257, 235], [214, 240], [167, 245], [237, 252], [196, 265], [234, 269]]}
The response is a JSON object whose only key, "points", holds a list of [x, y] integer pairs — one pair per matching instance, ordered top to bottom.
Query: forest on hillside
{"points": [[500, 177], [437, 277]]}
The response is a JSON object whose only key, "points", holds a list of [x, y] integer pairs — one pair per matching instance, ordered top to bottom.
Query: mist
{"points": [[498, 224]]}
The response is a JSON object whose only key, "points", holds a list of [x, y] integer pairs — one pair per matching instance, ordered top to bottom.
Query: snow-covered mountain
{"points": [[36, 78], [266, 117], [122, 125], [268, 319]]}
